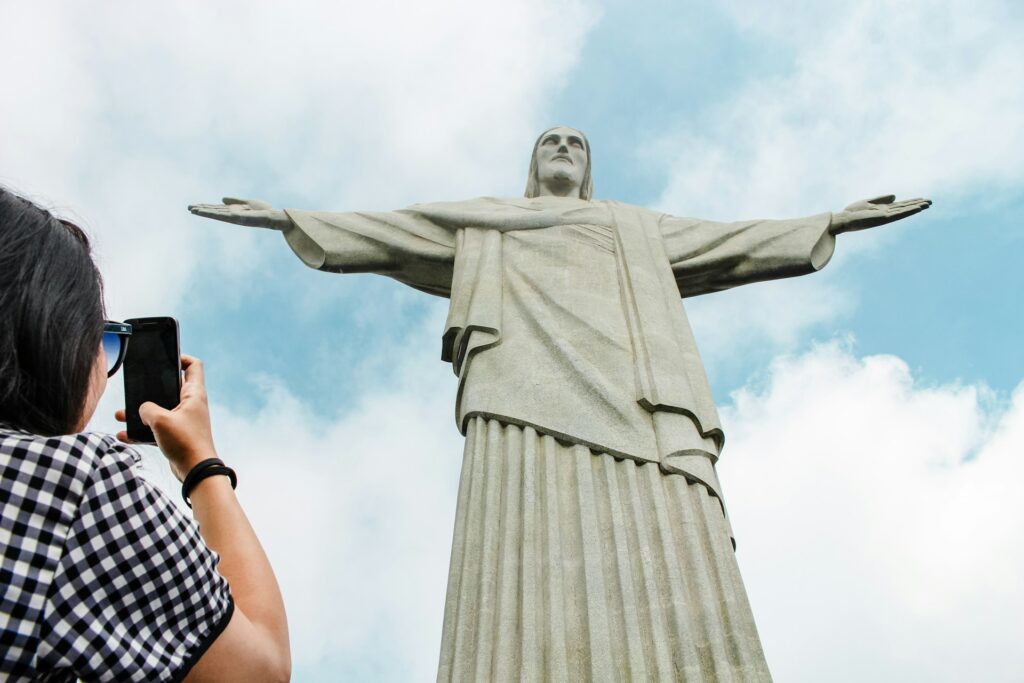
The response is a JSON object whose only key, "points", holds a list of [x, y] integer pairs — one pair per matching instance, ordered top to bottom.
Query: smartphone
{"points": [[152, 371]]}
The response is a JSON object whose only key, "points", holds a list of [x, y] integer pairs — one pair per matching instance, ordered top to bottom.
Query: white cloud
{"points": [[911, 97], [127, 113], [766, 317], [357, 517], [878, 521]]}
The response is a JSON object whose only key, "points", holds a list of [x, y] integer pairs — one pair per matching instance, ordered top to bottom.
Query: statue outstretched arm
{"points": [[485, 213], [405, 245], [414, 245], [707, 256]]}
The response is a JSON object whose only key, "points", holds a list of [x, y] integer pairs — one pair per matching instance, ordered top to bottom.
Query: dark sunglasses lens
{"points": [[112, 349]]}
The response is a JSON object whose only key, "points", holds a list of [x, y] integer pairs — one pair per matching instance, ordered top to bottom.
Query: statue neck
{"points": [[553, 188]]}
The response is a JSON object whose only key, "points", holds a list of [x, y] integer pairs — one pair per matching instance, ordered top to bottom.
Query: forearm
{"points": [[367, 242], [708, 256], [226, 530], [253, 645]]}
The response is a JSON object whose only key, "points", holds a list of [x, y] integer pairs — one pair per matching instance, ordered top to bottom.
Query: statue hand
{"points": [[249, 212], [869, 213]]}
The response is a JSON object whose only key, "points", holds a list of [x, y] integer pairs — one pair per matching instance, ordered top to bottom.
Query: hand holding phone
{"points": [[152, 371], [184, 434]]}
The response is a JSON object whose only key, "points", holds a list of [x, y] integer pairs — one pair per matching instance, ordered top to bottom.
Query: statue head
{"points": [[560, 164]]}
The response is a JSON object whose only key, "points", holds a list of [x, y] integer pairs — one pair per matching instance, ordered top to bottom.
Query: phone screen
{"points": [[152, 371]]}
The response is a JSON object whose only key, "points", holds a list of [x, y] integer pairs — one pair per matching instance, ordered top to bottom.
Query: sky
{"points": [[874, 411]]}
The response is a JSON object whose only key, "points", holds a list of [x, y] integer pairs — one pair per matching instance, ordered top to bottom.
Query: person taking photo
{"points": [[102, 576]]}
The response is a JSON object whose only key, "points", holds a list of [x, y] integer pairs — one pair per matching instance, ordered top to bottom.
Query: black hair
{"points": [[51, 318]]}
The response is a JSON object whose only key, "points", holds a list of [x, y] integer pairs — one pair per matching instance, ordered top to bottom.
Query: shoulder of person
{"points": [[67, 464]]}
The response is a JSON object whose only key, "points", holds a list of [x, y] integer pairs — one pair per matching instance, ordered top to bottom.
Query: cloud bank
{"points": [[912, 98], [129, 113], [878, 521]]}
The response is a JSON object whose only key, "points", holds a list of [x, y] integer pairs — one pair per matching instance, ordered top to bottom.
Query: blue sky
{"points": [[874, 399]]}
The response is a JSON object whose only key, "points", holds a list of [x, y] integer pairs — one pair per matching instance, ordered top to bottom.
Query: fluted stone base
{"points": [[570, 565]]}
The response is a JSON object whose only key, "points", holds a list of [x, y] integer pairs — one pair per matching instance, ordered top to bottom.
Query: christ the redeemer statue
{"points": [[591, 540]]}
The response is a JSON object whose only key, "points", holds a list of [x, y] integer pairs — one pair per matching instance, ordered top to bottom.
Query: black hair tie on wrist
{"points": [[210, 467]]}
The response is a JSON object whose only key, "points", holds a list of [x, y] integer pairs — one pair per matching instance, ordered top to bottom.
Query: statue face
{"points": [[561, 159]]}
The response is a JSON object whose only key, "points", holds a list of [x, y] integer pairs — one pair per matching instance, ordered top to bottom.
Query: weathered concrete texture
{"points": [[570, 565]]}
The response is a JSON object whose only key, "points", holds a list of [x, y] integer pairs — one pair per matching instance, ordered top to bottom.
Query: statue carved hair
{"points": [[533, 182]]}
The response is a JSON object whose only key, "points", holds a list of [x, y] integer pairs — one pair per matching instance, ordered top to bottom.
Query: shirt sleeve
{"points": [[136, 596]]}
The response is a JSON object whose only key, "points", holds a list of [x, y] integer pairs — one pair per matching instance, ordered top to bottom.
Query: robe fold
{"points": [[564, 314]]}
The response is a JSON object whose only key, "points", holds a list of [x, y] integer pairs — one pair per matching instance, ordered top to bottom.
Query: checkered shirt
{"points": [[102, 577]]}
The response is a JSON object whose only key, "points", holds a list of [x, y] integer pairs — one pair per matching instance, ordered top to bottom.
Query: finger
{"points": [[882, 199], [910, 202], [252, 204], [920, 205], [208, 208], [904, 212], [218, 214], [194, 372], [149, 412], [120, 415], [123, 436]]}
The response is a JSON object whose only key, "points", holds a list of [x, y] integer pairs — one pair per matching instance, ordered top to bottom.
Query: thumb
{"points": [[149, 412]]}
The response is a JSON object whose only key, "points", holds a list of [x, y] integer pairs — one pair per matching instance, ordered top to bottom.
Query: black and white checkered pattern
{"points": [[102, 577]]}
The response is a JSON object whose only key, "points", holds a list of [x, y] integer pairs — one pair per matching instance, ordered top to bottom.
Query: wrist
{"points": [[279, 220], [835, 225], [181, 466], [206, 469], [209, 489]]}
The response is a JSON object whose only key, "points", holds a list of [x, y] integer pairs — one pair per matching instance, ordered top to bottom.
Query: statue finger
{"points": [[882, 199], [914, 201], [257, 204], [873, 204], [910, 204], [204, 207], [205, 211], [215, 212], [896, 214]]}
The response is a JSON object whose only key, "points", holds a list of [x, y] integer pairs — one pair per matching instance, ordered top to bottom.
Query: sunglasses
{"points": [[115, 343]]}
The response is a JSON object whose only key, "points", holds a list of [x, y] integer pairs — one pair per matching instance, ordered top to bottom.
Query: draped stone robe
{"points": [[565, 313], [590, 538]]}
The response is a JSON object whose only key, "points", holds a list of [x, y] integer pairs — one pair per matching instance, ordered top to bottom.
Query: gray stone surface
{"points": [[565, 321]]}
